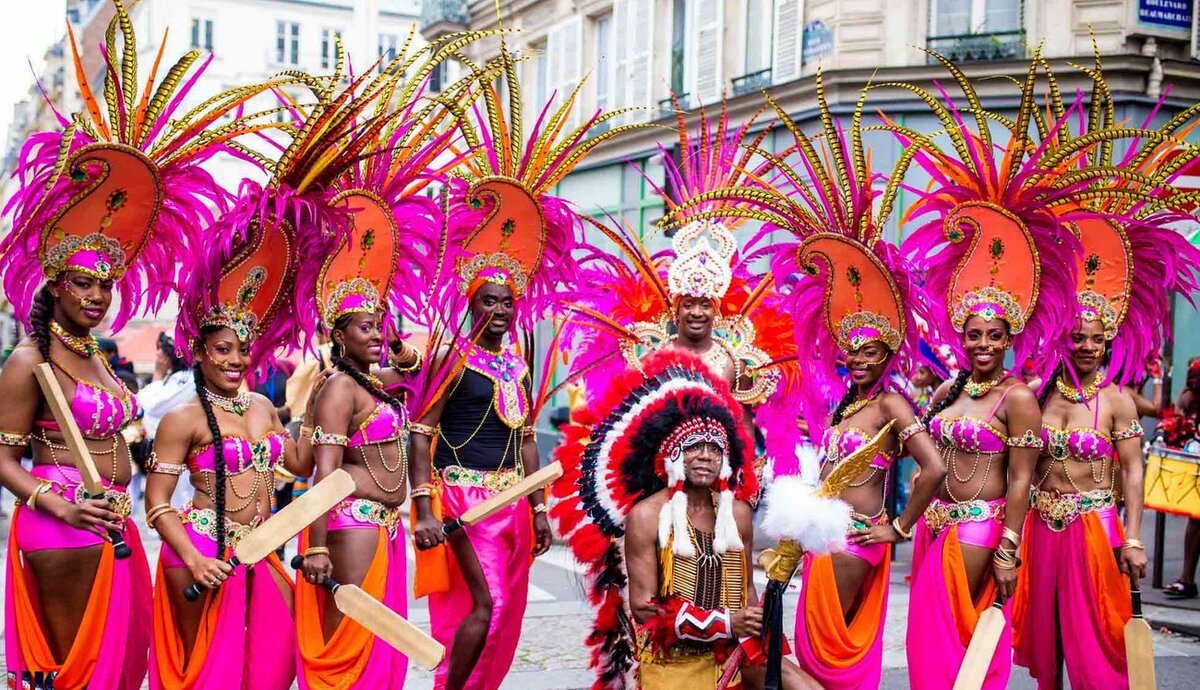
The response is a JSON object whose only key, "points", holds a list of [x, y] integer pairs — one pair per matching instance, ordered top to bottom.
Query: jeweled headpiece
{"points": [[506, 246], [702, 267], [999, 273], [1105, 274], [358, 276], [863, 303]]}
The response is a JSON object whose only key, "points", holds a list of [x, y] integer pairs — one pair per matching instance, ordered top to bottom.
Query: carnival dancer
{"points": [[104, 208], [511, 243], [996, 247], [705, 295], [852, 300], [352, 421], [658, 463], [1073, 597]]}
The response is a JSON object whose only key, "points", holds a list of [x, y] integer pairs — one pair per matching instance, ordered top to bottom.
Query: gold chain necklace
{"points": [[83, 346], [978, 390], [1080, 395], [237, 405], [857, 406], [401, 465]]}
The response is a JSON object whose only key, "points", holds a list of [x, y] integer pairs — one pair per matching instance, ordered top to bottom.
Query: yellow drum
{"points": [[1173, 481]]}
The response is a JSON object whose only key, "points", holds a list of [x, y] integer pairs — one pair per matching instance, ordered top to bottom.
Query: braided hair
{"points": [[39, 321], [1049, 385], [956, 389], [847, 399], [218, 446]]}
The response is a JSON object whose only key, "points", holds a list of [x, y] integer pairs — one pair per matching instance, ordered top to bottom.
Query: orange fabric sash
{"points": [[431, 566], [1110, 585], [958, 590], [1020, 600], [833, 642], [337, 663], [76, 671], [173, 672]]}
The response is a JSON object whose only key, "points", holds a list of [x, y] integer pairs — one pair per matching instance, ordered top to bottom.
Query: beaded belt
{"points": [[497, 481], [119, 502], [1059, 510], [369, 512], [939, 515], [204, 521]]}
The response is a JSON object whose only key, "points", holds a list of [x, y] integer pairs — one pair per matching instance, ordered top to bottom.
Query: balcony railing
{"points": [[443, 16], [998, 45], [749, 83], [666, 105]]}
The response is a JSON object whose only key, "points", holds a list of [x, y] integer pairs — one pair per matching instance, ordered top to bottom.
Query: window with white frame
{"points": [[976, 29], [202, 34], [602, 36], [635, 37], [287, 43], [329, 47], [387, 48], [756, 53], [704, 76], [540, 93]]}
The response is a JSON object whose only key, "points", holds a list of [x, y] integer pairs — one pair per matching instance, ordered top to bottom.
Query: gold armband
{"points": [[423, 429], [13, 438], [321, 438]]}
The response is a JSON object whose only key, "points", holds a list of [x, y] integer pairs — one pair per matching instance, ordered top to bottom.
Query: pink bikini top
{"points": [[99, 413], [384, 424], [970, 434], [1081, 443], [840, 444], [241, 454]]}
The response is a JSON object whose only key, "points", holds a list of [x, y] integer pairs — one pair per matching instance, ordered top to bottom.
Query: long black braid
{"points": [[40, 315], [336, 356], [1049, 385], [956, 389], [847, 399], [218, 446]]}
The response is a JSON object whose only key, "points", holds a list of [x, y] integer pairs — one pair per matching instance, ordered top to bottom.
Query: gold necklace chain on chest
{"points": [[858, 406], [53, 447], [454, 448], [950, 459], [401, 465]]}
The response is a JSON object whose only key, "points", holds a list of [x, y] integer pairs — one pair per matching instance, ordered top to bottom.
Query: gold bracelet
{"points": [[42, 487], [420, 492], [540, 508], [156, 512], [900, 530], [1012, 536], [1133, 544], [316, 551]]}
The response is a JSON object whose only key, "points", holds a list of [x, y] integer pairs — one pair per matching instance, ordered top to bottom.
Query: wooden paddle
{"points": [[76, 446], [488, 507], [287, 523], [383, 622], [1139, 647], [982, 648]]}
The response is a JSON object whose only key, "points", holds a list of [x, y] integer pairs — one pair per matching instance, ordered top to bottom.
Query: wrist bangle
{"points": [[42, 487], [420, 492], [540, 508], [156, 512], [900, 530], [1012, 536], [1133, 544], [316, 551]]}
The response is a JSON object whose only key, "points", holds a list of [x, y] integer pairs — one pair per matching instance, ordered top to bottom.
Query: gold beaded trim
{"points": [[1135, 430], [910, 431], [320, 437], [13, 438], [1027, 440], [159, 467], [497, 481]]}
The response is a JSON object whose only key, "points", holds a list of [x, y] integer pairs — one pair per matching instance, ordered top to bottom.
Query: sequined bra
{"points": [[99, 413], [384, 424], [968, 434], [1081, 443], [840, 444], [241, 454]]}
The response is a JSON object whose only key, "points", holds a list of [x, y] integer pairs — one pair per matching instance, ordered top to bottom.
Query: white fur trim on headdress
{"points": [[796, 511]]}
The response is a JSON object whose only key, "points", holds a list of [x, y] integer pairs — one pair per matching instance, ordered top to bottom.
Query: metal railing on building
{"points": [[441, 17], [997, 45], [752, 82]]}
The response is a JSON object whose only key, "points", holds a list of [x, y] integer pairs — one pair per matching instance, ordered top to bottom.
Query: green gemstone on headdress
{"points": [[78, 175], [116, 200], [476, 203], [508, 228], [954, 235], [368, 239], [997, 249], [1093, 264], [810, 270], [854, 276]]}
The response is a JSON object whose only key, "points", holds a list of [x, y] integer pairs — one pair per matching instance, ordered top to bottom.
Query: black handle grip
{"points": [[451, 527], [120, 548], [329, 583], [193, 591], [1135, 596]]}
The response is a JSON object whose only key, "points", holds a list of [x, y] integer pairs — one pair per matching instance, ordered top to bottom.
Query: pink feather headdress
{"points": [[118, 193]]}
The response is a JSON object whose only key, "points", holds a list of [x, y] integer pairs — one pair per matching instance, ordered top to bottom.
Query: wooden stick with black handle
{"points": [[76, 446], [490, 506], [383, 622], [1139, 645]]}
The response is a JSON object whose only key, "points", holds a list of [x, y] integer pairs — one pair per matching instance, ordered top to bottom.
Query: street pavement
{"points": [[552, 656]]}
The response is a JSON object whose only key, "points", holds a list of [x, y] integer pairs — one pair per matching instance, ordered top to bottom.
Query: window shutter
{"points": [[633, 27], [789, 30], [706, 32], [564, 48]]}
